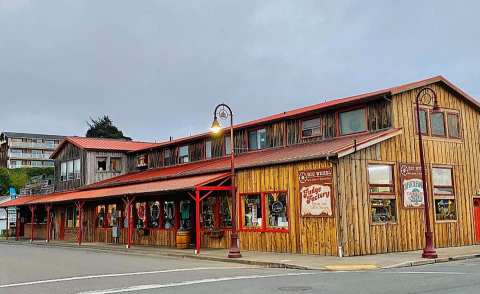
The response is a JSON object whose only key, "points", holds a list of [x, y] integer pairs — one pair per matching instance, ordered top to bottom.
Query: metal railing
{"points": [[32, 145], [28, 155]]}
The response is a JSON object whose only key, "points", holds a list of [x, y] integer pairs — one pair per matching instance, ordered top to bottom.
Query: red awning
{"points": [[177, 184]]}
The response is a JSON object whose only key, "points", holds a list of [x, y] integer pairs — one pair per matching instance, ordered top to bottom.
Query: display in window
{"points": [[141, 208], [445, 209], [277, 210], [383, 210], [185, 211], [225, 211], [252, 211], [208, 213], [169, 214], [112, 215], [101, 216], [154, 219]]}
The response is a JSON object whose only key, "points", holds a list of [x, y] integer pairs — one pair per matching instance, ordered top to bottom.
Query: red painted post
{"points": [[48, 207], [32, 220], [197, 221]]}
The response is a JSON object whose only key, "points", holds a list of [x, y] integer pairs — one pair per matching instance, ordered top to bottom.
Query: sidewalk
{"points": [[295, 261]]}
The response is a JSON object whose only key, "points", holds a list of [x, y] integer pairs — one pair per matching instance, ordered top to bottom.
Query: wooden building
{"points": [[336, 178]]}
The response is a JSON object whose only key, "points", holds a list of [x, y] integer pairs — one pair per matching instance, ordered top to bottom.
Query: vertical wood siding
{"points": [[359, 236]]}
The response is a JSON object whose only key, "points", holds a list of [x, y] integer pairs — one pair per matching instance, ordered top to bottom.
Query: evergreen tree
{"points": [[103, 127]]}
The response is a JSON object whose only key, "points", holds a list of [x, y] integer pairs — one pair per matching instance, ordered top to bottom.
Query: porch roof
{"points": [[176, 184]]}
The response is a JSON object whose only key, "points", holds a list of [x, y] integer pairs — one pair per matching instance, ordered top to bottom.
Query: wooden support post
{"points": [[79, 205], [48, 207], [32, 221], [197, 222]]}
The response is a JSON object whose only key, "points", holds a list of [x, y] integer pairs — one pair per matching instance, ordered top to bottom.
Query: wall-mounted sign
{"points": [[412, 185], [316, 192]]}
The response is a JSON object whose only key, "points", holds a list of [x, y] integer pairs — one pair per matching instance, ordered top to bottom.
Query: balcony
{"points": [[32, 145], [28, 156]]}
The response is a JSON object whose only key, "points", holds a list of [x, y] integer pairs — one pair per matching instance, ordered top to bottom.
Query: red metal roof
{"points": [[334, 104], [104, 144], [333, 147], [177, 184]]}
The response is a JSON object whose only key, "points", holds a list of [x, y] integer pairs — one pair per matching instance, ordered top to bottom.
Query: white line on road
{"points": [[118, 275], [193, 282]]}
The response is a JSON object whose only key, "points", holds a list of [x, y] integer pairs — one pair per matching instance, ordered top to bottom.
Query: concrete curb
{"points": [[138, 252]]}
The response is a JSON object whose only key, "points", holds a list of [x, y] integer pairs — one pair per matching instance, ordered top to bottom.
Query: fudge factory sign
{"points": [[412, 185], [316, 192]]}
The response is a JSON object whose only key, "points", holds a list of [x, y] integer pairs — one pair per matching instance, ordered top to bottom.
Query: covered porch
{"points": [[181, 212]]}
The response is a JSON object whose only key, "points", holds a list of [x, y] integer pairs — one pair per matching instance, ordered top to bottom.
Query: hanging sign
{"points": [[412, 185], [316, 192]]}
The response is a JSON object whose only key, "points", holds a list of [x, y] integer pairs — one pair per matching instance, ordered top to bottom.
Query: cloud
{"points": [[158, 68]]}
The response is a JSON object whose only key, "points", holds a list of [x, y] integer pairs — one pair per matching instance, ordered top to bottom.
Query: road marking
{"points": [[351, 267], [429, 273], [118, 275], [193, 282]]}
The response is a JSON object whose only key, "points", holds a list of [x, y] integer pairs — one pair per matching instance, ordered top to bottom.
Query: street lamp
{"points": [[426, 95], [223, 111]]}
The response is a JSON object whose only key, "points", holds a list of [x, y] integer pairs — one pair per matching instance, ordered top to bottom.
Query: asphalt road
{"points": [[26, 269]]}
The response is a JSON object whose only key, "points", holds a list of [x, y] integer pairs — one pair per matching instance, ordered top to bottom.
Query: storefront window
{"points": [[382, 193], [443, 194], [276, 208], [141, 209], [445, 209], [383, 210], [225, 211], [252, 211], [208, 213], [169, 214], [112, 215], [185, 215], [71, 217], [154, 219], [101, 220]]}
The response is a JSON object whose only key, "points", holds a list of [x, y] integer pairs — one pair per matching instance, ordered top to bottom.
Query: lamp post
{"points": [[426, 95], [224, 112]]}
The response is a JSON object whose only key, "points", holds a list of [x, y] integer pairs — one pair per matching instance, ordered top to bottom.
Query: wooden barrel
{"points": [[183, 239]]}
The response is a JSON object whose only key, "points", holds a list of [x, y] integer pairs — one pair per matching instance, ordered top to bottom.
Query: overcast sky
{"points": [[158, 68]]}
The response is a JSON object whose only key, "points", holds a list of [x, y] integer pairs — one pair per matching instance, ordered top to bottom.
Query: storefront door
{"points": [[476, 210]]}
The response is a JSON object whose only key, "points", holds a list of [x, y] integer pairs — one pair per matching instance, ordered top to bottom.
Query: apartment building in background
{"points": [[27, 150]]}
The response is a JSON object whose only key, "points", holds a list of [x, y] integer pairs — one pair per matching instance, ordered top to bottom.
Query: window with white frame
{"points": [[311, 128], [257, 139], [208, 149], [183, 154], [76, 168], [63, 171], [70, 175]]}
